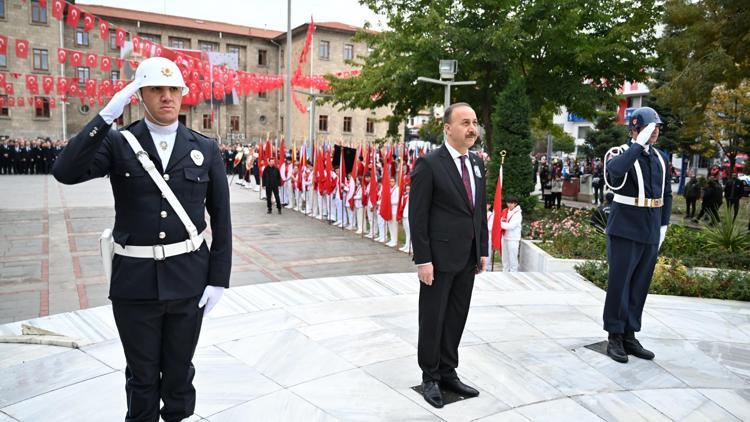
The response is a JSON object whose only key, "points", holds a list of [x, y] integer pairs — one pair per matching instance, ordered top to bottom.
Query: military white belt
{"points": [[639, 202], [160, 252]]}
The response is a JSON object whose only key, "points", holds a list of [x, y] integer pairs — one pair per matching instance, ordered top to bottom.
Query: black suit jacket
{"points": [[98, 150], [271, 177], [443, 225]]}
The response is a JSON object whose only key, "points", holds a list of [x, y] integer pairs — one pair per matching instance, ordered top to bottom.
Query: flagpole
{"points": [[502, 162]]}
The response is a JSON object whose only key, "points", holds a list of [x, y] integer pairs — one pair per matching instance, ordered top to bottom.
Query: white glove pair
{"points": [[116, 105], [645, 134], [662, 235], [211, 296]]}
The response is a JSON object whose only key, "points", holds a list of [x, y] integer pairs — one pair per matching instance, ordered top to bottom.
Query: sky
{"points": [[268, 14]]}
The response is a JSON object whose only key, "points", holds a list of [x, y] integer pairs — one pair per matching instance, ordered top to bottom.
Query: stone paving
{"points": [[49, 232], [344, 349]]}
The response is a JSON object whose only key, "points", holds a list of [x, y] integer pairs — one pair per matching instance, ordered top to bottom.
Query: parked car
{"points": [[745, 184]]}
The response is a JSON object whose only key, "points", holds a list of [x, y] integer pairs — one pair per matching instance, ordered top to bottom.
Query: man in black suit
{"points": [[272, 181], [448, 221], [164, 276]]}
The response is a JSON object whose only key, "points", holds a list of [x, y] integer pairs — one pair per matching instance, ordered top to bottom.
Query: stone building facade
{"points": [[260, 51]]}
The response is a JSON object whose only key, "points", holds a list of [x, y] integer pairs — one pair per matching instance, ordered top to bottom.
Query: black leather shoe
{"points": [[279, 210], [269, 211], [633, 347], [615, 348], [459, 388], [431, 393]]}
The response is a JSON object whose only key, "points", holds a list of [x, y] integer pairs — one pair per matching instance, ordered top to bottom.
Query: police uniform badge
{"points": [[197, 157], [477, 172]]}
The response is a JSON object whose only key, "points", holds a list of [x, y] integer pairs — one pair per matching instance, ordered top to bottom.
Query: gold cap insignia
{"points": [[166, 71]]}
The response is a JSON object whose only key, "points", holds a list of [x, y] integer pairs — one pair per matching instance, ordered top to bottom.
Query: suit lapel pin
{"points": [[197, 157], [477, 172]]}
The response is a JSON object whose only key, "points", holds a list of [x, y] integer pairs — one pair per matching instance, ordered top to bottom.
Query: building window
{"points": [[2, 10], [38, 13], [82, 37], [156, 39], [112, 40], [181, 43], [208, 46], [234, 49], [325, 50], [348, 51], [262, 58], [282, 58], [41, 59], [3, 60], [83, 74], [115, 75], [281, 93], [263, 95], [84, 109], [41, 110], [4, 112], [282, 122], [207, 123], [234, 123], [323, 123], [347, 125], [370, 126], [583, 131]]}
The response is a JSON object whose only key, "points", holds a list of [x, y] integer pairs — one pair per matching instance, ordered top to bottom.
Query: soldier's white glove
{"points": [[116, 105], [645, 134], [662, 235], [211, 296]]}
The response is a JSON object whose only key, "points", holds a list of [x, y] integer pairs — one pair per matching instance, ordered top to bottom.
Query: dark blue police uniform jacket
{"points": [[98, 150], [640, 224]]}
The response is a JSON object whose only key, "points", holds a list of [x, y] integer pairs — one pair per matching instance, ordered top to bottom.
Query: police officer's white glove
{"points": [[116, 105], [645, 134], [662, 235], [211, 296]]}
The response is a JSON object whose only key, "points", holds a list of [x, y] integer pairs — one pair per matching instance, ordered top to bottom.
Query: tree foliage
{"points": [[573, 53], [727, 124], [432, 131], [608, 134]]}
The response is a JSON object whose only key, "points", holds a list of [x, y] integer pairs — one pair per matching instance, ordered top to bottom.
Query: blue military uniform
{"points": [[633, 231], [155, 302]]}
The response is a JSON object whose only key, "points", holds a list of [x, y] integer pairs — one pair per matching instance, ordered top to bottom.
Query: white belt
{"points": [[636, 202], [160, 252]]}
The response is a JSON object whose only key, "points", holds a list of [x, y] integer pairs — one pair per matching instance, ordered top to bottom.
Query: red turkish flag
{"points": [[43, 3], [58, 6], [74, 14], [89, 21], [104, 30], [120, 37], [136, 44], [3, 45], [146, 48], [22, 49], [158, 51], [62, 55], [76, 58], [91, 60], [119, 63], [106, 64], [133, 64], [2, 80], [32, 84], [47, 84], [62, 85], [119, 85], [90, 87], [105, 88], [73, 89], [2, 102], [11, 102], [21, 102], [38, 103], [52, 103]]}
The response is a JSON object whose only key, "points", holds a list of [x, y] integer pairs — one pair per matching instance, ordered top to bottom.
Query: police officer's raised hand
{"points": [[117, 104], [645, 134], [211, 296]]}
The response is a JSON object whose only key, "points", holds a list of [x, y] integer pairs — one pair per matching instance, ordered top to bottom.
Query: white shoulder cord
{"points": [[614, 151]]}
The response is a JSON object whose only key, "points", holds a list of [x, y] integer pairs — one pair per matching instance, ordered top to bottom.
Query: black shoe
{"points": [[279, 210], [269, 211], [633, 347], [615, 348], [459, 388], [431, 393]]}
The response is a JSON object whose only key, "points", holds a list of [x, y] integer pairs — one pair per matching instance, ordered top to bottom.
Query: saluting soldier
{"points": [[636, 228], [164, 275]]}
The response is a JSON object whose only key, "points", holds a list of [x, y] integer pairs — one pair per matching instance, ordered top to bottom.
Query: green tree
{"points": [[705, 44], [557, 47], [728, 121], [432, 131], [608, 134], [512, 135]]}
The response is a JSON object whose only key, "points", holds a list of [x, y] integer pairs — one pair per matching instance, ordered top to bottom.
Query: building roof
{"points": [[179, 21]]}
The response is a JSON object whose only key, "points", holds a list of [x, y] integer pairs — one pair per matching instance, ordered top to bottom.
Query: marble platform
{"points": [[344, 349]]}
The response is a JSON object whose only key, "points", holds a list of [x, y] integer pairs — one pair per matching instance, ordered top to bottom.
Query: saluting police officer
{"points": [[637, 225], [158, 301]]}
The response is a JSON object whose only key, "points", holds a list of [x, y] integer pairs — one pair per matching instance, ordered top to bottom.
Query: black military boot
{"points": [[633, 347], [615, 348]]}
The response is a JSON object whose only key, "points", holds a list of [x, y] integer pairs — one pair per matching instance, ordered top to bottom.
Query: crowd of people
{"points": [[21, 156], [552, 175]]}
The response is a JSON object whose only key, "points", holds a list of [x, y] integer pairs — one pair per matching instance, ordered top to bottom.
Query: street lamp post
{"points": [[448, 70]]}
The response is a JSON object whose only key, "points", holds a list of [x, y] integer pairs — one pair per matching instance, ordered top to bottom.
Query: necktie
{"points": [[467, 184]]}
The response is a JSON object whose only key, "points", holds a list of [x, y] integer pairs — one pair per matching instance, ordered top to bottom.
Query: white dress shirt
{"points": [[163, 134], [457, 160]]}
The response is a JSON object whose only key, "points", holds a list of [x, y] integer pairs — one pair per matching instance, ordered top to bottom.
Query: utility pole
{"points": [[448, 70]]}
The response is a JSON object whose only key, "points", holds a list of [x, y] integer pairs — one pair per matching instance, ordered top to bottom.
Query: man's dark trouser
{"points": [[275, 192], [690, 204], [734, 204], [631, 265], [443, 309], [159, 339]]}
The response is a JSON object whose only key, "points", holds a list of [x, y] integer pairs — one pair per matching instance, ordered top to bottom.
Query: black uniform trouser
{"points": [[275, 192], [690, 203], [734, 204], [631, 266], [443, 309], [159, 339]]}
